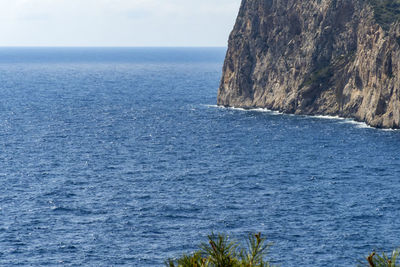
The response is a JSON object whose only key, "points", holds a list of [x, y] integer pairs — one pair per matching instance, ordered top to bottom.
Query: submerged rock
{"points": [[316, 57]]}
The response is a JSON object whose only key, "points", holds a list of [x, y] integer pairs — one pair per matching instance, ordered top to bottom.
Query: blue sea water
{"points": [[118, 157]]}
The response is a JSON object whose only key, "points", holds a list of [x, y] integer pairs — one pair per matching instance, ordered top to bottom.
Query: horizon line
{"points": [[86, 46]]}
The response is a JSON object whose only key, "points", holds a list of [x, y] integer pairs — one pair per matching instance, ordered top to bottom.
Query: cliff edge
{"points": [[316, 57]]}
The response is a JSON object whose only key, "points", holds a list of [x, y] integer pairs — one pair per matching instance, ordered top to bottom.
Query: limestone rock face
{"points": [[314, 57]]}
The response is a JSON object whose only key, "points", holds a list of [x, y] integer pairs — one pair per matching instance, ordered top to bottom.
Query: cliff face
{"points": [[329, 57]]}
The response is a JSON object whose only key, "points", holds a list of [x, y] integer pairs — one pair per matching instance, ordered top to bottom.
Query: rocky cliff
{"points": [[327, 57]]}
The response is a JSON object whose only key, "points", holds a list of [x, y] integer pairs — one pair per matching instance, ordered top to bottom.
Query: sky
{"points": [[116, 22]]}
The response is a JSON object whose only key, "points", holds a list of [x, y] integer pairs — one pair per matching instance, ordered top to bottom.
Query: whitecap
{"points": [[211, 106], [273, 112], [327, 117], [358, 124]]}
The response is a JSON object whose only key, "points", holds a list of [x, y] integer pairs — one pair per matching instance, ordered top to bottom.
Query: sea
{"points": [[120, 157]]}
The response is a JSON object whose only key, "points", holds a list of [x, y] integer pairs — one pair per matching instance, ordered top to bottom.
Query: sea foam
{"points": [[357, 124]]}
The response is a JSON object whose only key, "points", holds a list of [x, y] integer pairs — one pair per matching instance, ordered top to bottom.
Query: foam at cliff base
{"points": [[265, 110], [342, 120], [357, 124]]}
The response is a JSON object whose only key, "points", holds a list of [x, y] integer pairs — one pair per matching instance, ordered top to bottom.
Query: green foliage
{"points": [[386, 11], [222, 252], [256, 252], [195, 260], [383, 260]]}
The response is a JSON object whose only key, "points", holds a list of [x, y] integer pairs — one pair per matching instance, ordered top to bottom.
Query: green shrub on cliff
{"points": [[222, 252]]}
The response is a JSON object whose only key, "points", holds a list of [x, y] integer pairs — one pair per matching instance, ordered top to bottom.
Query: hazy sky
{"points": [[116, 22]]}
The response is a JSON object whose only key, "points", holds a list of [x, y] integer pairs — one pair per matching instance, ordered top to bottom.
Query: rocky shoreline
{"points": [[315, 57]]}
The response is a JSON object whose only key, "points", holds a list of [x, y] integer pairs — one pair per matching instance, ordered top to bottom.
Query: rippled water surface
{"points": [[117, 157]]}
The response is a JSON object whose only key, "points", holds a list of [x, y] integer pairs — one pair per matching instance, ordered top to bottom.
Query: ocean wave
{"points": [[265, 110], [326, 117], [357, 124]]}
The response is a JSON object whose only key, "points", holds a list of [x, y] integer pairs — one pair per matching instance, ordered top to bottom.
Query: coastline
{"points": [[342, 120]]}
